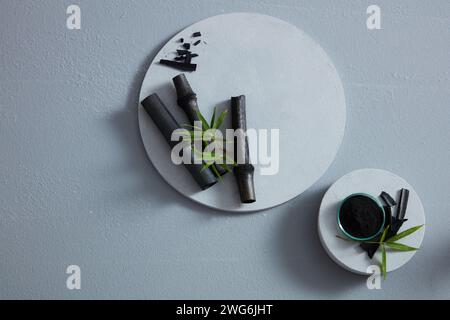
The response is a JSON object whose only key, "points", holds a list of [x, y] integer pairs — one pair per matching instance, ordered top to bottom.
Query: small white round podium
{"points": [[348, 254]]}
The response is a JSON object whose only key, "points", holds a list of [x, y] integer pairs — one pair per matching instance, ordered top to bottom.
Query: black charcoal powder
{"points": [[361, 217]]}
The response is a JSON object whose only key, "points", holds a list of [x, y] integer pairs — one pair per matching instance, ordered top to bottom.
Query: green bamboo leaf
{"points": [[213, 118], [220, 119], [203, 120], [191, 126], [209, 135], [190, 136], [195, 136], [197, 152], [208, 155], [218, 157], [208, 159], [206, 166], [216, 172], [404, 233], [384, 234], [343, 238], [400, 246], [383, 261]]}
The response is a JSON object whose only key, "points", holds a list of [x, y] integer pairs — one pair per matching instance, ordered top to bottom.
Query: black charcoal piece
{"points": [[197, 34], [181, 40], [197, 42], [187, 46], [182, 52], [194, 55], [180, 58], [188, 58], [179, 65], [187, 100], [167, 124], [244, 170], [388, 199], [402, 204], [388, 215], [399, 218], [395, 227], [371, 248]]}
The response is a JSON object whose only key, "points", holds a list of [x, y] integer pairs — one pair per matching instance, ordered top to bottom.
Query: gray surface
{"points": [[77, 187]]}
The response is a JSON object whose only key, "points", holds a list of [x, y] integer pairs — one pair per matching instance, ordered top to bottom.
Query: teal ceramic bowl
{"points": [[347, 234]]}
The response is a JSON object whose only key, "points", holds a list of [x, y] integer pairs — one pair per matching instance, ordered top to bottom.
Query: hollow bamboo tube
{"points": [[167, 124], [244, 171]]}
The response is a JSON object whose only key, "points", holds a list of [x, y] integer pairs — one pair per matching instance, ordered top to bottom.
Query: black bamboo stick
{"points": [[186, 97], [187, 100], [167, 124], [244, 170], [389, 201], [403, 204], [399, 218]]}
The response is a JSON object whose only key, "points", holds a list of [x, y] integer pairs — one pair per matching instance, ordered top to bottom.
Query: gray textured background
{"points": [[76, 186]]}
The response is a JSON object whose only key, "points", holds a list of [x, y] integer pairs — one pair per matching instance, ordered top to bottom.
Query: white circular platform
{"points": [[290, 84], [371, 181]]}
